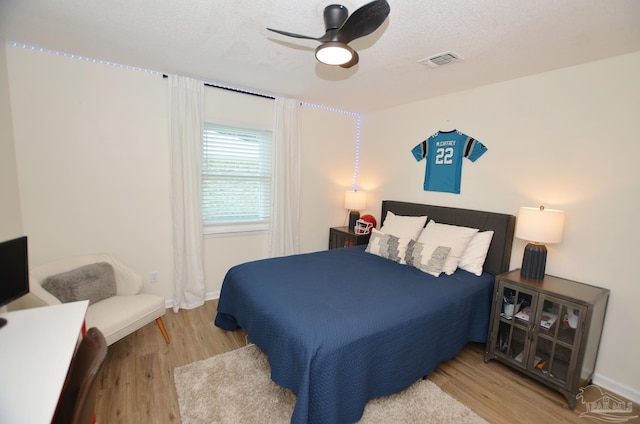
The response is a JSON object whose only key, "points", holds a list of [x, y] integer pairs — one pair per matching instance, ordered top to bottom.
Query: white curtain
{"points": [[185, 101], [285, 209]]}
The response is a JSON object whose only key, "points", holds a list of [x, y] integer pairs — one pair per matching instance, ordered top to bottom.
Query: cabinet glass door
{"points": [[556, 338], [512, 341]]}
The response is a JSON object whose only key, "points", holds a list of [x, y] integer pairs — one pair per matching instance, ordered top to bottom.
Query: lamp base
{"points": [[353, 217], [534, 261]]}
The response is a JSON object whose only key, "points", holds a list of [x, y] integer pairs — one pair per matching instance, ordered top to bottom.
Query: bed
{"points": [[343, 326]]}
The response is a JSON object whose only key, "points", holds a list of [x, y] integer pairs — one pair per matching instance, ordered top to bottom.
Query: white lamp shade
{"points": [[355, 200], [540, 225]]}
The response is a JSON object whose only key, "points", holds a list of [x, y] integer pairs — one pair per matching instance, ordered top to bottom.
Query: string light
{"points": [[83, 58], [356, 165], [354, 180]]}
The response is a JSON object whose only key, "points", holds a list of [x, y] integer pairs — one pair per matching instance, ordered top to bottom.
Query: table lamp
{"points": [[355, 201], [538, 226]]}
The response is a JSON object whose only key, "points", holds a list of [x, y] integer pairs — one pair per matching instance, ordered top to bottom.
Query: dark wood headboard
{"points": [[503, 226]]}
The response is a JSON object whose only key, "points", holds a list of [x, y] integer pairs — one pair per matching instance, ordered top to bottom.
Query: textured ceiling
{"points": [[226, 42]]}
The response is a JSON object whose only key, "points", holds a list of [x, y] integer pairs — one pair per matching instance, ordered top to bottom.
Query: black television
{"points": [[14, 271]]}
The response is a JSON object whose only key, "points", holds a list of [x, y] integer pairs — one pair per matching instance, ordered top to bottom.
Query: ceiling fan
{"points": [[341, 29]]}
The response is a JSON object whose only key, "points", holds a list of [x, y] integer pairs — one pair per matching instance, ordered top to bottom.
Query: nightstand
{"points": [[343, 237], [548, 329]]}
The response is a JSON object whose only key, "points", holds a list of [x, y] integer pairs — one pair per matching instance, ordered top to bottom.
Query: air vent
{"points": [[441, 59]]}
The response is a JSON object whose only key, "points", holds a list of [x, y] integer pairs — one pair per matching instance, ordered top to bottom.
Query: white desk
{"points": [[36, 347]]}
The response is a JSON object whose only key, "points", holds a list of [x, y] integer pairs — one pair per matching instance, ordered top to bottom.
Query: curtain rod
{"points": [[237, 90]]}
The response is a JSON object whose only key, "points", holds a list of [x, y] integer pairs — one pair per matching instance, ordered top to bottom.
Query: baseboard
{"points": [[208, 296], [616, 387]]}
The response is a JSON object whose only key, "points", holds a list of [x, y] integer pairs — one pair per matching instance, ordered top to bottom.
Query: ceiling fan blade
{"points": [[364, 21], [291, 34], [354, 61]]}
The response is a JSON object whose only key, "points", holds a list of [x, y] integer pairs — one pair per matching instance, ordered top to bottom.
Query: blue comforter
{"points": [[341, 327]]}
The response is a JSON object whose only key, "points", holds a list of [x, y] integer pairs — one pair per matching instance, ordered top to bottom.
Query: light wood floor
{"points": [[137, 380]]}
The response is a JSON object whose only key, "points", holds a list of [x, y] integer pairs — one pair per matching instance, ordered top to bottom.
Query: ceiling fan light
{"points": [[334, 53]]}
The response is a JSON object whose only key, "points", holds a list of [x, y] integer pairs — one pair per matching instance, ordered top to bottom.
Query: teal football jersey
{"points": [[444, 152]]}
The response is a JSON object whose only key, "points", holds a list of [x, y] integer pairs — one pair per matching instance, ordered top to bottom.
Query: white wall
{"points": [[566, 139], [328, 156], [93, 164], [10, 212]]}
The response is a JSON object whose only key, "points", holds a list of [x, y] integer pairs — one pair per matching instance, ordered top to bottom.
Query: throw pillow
{"points": [[404, 227], [458, 238], [387, 246], [427, 257], [473, 258], [93, 282]]}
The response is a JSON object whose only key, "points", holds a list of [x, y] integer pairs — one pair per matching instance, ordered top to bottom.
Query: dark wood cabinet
{"points": [[343, 237], [548, 329]]}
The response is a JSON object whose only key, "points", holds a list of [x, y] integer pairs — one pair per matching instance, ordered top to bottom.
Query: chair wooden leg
{"points": [[163, 330]]}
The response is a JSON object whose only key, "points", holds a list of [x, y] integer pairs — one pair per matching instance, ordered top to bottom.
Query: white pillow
{"points": [[408, 227], [458, 238], [387, 246], [427, 258], [473, 258]]}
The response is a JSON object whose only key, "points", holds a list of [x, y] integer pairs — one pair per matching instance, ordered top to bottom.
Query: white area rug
{"points": [[236, 387]]}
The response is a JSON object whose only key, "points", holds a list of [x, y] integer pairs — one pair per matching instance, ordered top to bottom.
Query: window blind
{"points": [[236, 178]]}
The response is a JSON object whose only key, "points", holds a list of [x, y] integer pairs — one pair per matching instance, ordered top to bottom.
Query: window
{"points": [[236, 179]]}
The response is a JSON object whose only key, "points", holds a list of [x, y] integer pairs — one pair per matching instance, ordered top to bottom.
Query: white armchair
{"points": [[116, 316]]}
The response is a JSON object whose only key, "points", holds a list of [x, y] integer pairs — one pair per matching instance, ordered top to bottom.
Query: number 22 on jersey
{"points": [[444, 156]]}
